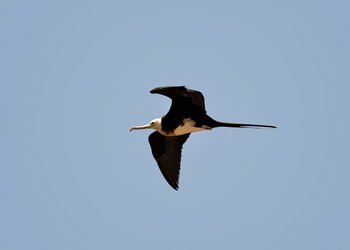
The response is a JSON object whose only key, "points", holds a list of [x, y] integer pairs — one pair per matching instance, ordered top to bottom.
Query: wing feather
{"points": [[181, 93], [166, 151]]}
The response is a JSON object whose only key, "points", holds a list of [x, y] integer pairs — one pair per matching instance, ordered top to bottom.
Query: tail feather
{"points": [[242, 125]]}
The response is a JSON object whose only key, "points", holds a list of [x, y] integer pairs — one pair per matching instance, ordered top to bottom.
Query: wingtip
{"points": [[159, 90], [174, 185]]}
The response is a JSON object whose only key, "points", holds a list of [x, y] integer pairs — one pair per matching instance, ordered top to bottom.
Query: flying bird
{"points": [[186, 115]]}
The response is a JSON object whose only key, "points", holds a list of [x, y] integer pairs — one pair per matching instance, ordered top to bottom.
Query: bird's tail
{"points": [[241, 125]]}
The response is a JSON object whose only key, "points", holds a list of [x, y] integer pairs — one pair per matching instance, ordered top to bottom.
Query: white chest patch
{"points": [[187, 127]]}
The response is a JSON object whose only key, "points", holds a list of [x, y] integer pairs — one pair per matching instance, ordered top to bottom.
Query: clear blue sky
{"points": [[75, 75]]}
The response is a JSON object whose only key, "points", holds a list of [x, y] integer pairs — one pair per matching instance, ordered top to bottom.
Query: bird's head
{"points": [[155, 124]]}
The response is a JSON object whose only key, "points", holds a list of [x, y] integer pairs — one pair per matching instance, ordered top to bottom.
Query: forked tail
{"points": [[241, 125]]}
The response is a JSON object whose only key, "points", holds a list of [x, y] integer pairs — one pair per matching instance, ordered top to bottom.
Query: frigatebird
{"points": [[186, 115]]}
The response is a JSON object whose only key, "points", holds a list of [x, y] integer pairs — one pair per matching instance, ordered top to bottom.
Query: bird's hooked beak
{"points": [[141, 127]]}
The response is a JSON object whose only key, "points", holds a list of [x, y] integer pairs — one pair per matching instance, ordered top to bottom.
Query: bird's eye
{"points": [[152, 123]]}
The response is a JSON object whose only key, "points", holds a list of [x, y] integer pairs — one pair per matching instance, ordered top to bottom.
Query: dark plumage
{"points": [[186, 115], [167, 152]]}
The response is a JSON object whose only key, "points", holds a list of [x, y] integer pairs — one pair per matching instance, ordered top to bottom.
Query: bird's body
{"points": [[186, 115], [188, 126]]}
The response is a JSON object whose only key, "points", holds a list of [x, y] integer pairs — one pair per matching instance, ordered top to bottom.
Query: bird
{"points": [[187, 114]]}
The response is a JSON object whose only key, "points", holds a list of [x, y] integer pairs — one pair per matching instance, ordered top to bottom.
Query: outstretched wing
{"points": [[182, 94], [167, 152]]}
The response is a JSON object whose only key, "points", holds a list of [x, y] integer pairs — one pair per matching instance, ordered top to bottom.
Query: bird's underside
{"points": [[187, 114]]}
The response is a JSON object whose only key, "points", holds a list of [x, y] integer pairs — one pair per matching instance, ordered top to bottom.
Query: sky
{"points": [[75, 75]]}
